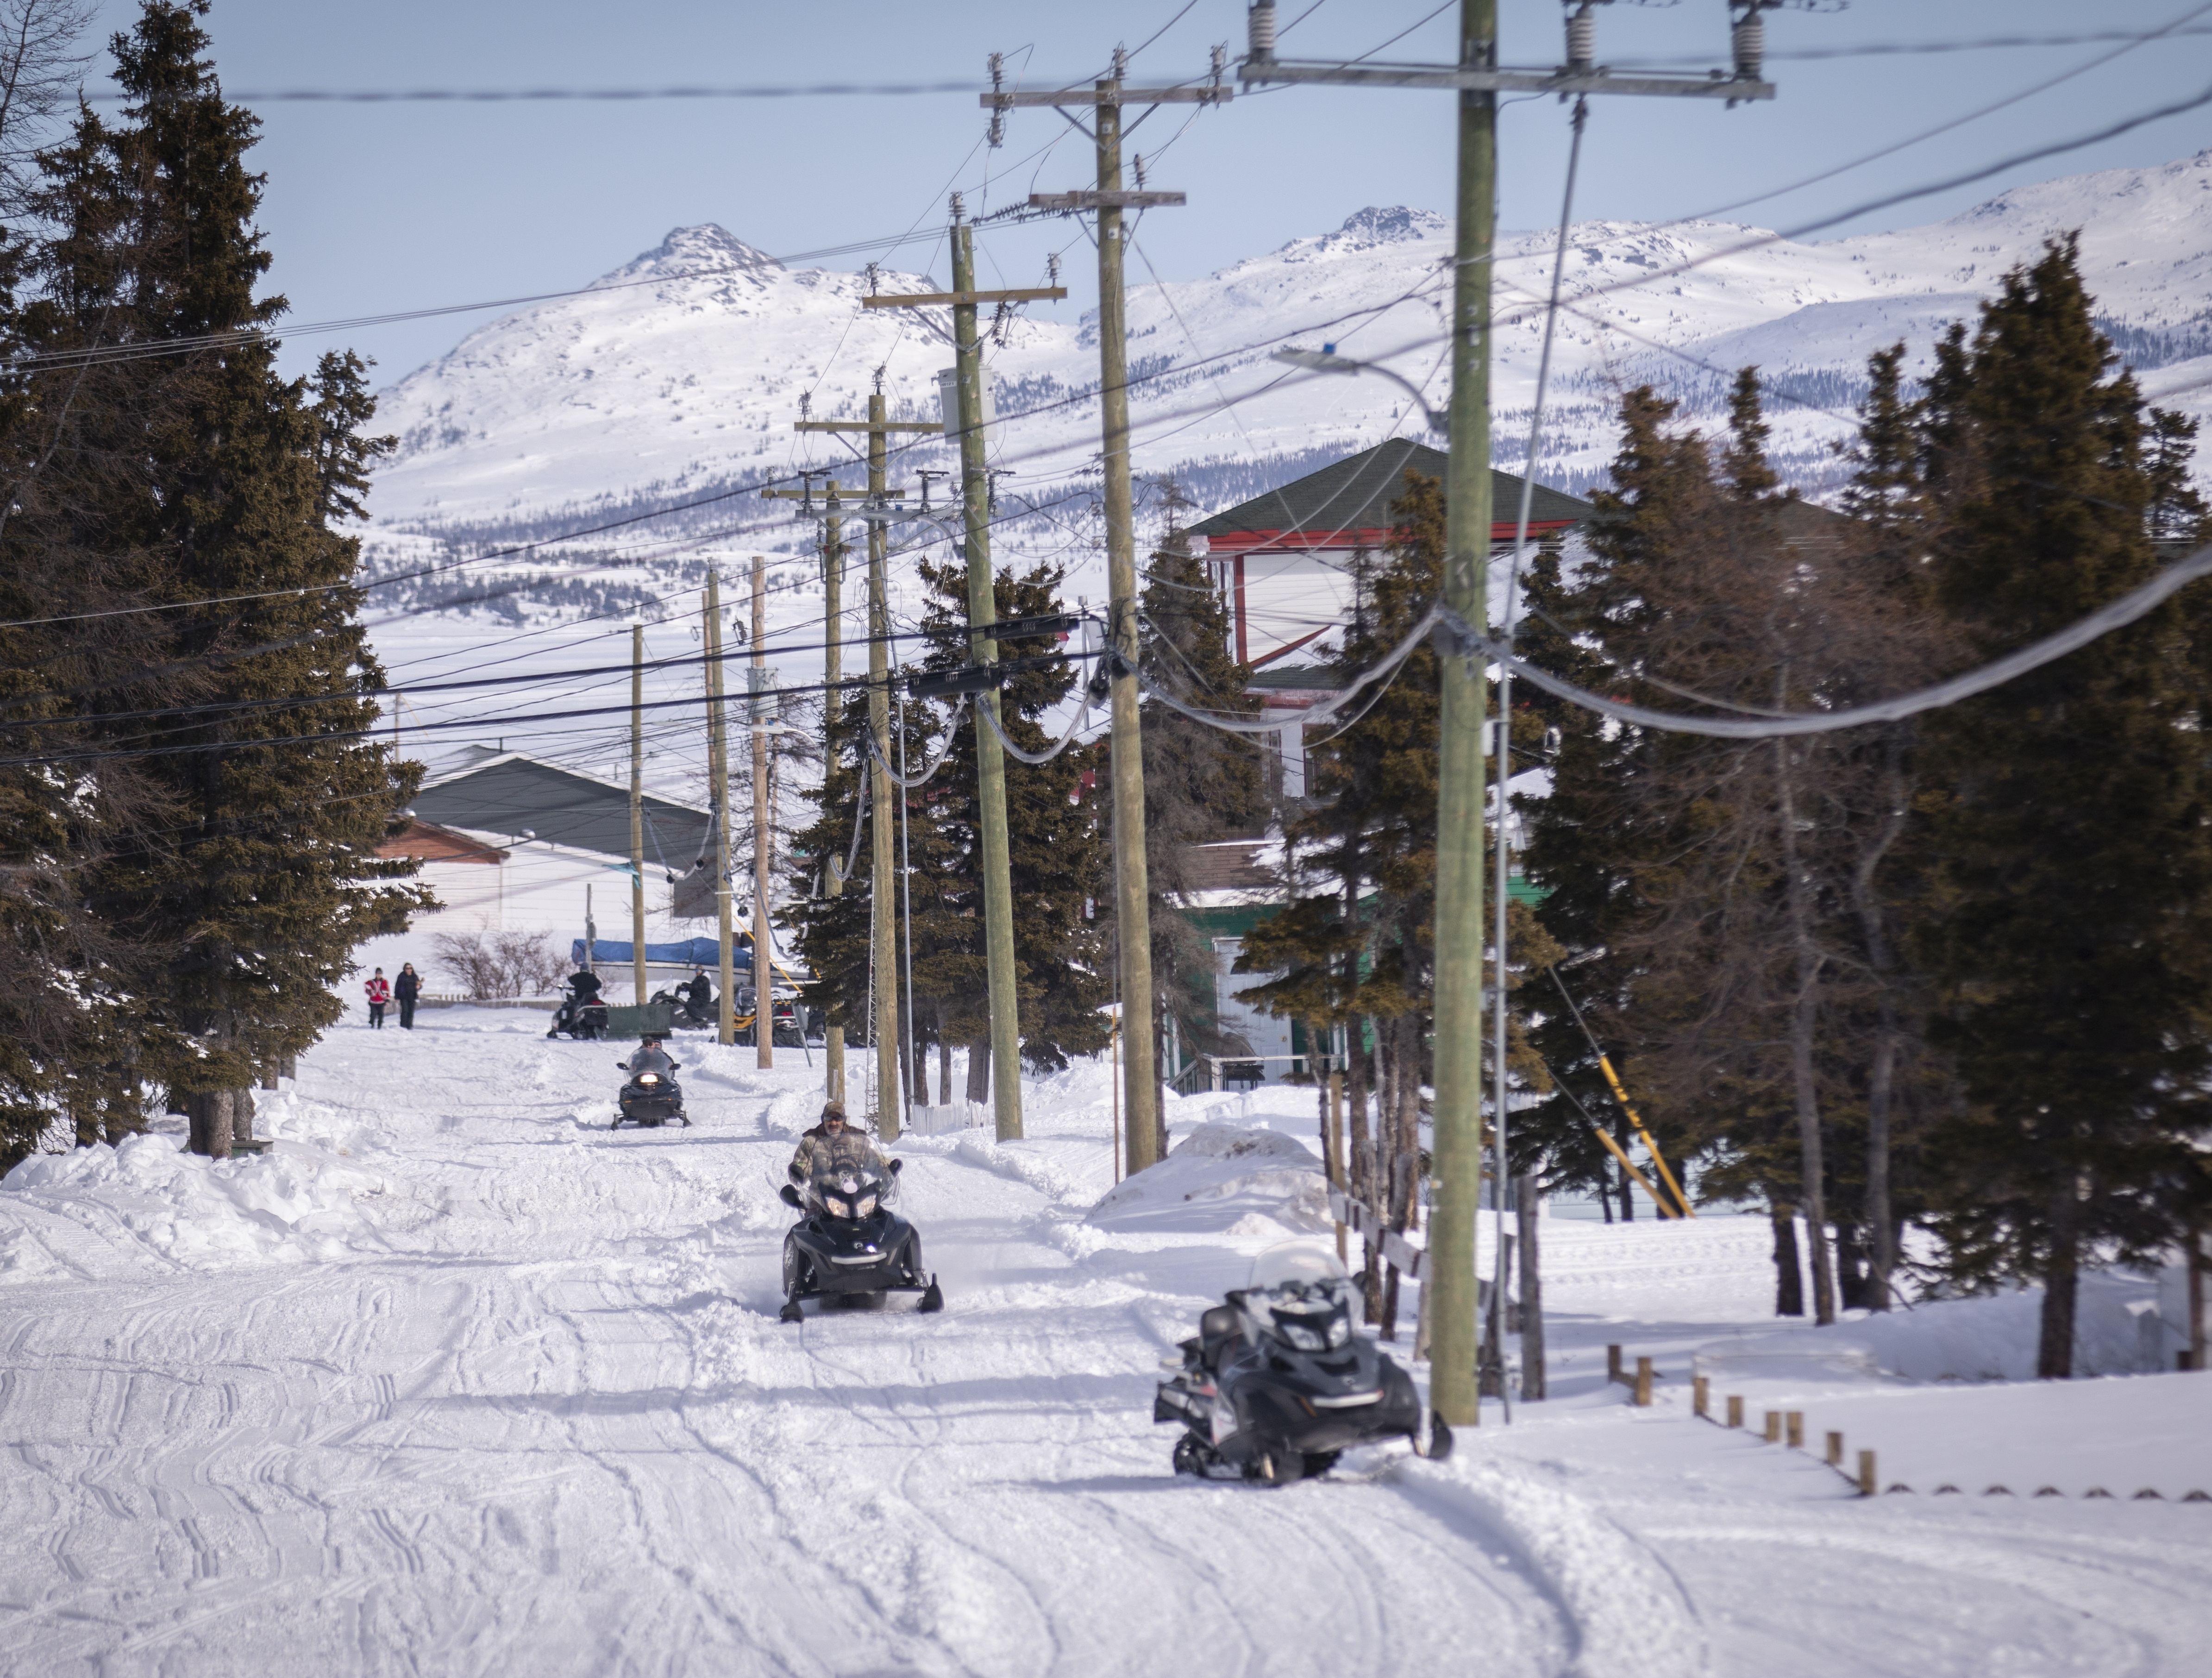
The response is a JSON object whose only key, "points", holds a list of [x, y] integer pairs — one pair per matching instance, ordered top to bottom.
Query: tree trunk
{"points": [[1803, 1016], [943, 1061], [979, 1071], [269, 1074], [207, 1113], [241, 1116], [1623, 1135], [1604, 1198], [1527, 1208], [1881, 1255], [1850, 1267], [1788, 1278], [2062, 1280]]}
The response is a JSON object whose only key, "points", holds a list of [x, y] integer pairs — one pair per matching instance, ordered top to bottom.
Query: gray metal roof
{"points": [[1356, 494], [512, 795]]}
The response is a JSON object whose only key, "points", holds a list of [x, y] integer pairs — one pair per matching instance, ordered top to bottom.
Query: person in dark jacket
{"points": [[405, 990]]}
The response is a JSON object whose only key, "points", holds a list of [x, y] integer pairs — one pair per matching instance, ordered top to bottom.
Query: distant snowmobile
{"points": [[689, 1013], [652, 1098], [849, 1245], [1278, 1382]]}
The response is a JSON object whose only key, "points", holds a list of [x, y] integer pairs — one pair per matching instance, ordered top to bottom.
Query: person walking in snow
{"points": [[405, 990], [379, 996], [832, 1143]]}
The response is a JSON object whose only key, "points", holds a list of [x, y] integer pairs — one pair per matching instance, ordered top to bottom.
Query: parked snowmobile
{"points": [[687, 1013], [652, 1098], [849, 1244], [1278, 1381]]}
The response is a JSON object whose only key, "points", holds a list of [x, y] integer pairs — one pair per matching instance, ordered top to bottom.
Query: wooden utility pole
{"points": [[1468, 533], [982, 613], [983, 650], [833, 677], [718, 766], [637, 805], [763, 829], [1131, 883]]}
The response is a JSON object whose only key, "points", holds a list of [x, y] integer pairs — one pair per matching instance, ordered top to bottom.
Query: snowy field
{"points": [[453, 1380]]}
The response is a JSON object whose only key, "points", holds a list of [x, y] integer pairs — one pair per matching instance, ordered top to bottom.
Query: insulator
{"points": [[1261, 21], [1582, 39], [1749, 40], [997, 135]]}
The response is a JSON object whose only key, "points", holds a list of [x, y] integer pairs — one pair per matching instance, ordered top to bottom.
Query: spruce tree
{"points": [[201, 476], [1202, 785], [2070, 943]]}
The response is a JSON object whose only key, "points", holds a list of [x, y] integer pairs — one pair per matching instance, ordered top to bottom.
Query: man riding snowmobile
{"points": [[693, 1000], [582, 1013], [652, 1097], [848, 1245]]}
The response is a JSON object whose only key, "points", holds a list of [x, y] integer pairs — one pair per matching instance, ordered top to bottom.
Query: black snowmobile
{"points": [[687, 1013], [582, 1014], [652, 1098], [849, 1245], [1278, 1382]]}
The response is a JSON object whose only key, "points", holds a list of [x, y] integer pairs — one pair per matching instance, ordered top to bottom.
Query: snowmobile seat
{"points": [[1216, 1327]]}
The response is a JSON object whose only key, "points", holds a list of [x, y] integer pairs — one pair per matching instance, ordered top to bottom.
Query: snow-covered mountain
{"points": [[679, 375]]}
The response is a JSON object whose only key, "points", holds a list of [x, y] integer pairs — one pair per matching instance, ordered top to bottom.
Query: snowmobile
{"points": [[688, 1014], [585, 1021], [651, 1099], [849, 1245], [1278, 1382]]}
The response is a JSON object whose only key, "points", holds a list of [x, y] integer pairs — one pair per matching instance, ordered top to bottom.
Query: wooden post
{"points": [[833, 677], [718, 766], [637, 809], [764, 842], [1114, 1093], [1612, 1372], [1644, 1382], [1699, 1397], [1735, 1410], [1795, 1420], [1774, 1427], [1835, 1450], [1866, 1473]]}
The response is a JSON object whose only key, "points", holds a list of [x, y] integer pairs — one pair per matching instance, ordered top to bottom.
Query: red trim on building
{"points": [[1237, 544]]}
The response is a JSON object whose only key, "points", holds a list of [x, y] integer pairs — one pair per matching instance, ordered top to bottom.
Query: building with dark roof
{"points": [[1283, 557]]}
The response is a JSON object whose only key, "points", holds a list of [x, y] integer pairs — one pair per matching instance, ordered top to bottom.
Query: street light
{"points": [[1326, 360]]}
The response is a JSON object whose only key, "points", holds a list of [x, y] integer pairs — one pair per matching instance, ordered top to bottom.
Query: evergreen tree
{"points": [[203, 481], [1202, 785], [1056, 847], [2070, 940]]}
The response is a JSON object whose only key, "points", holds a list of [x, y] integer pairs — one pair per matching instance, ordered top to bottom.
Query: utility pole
{"points": [[1469, 531], [832, 547], [982, 649], [718, 768], [637, 805], [1131, 883], [882, 901], [764, 949]]}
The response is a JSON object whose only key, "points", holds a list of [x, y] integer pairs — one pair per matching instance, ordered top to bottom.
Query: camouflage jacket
{"points": [[819, 1151]]}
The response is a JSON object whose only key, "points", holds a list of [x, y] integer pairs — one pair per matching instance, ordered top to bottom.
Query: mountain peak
{"points": [[1391, 226], [704, 249]]}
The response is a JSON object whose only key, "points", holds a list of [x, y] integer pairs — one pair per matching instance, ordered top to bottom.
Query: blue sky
{"points": [[375, 208]]}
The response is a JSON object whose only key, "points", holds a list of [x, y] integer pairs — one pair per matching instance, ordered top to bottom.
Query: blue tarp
{"points": [[692, 952]]}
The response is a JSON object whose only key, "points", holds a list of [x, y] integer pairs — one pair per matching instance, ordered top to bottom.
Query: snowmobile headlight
{"points": [[648, 1077], [836, 1207], [867, 1208], [1339, 1330], [1305, 1339]]}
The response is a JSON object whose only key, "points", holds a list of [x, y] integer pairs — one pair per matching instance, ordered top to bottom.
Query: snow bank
{"points": [[1227, 1179], [148, 1198], [1991, 1339]]}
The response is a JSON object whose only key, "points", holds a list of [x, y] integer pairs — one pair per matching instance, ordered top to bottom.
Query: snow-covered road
{"points": [[455, 1381]]}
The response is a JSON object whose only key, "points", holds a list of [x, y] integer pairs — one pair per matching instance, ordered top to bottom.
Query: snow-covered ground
{"points": [[454, 1380]]}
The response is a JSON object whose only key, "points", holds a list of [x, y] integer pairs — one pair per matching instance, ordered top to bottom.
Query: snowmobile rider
{"points": [[584, 985], [699, 994], [650, 1056], [832, 1143]]}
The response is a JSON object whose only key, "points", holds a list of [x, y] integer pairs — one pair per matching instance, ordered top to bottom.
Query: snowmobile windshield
{"points": [[849, 1192], [1301, 1291]]}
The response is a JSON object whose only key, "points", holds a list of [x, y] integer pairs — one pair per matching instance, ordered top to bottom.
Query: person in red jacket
{"points": [[380, 995]]}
